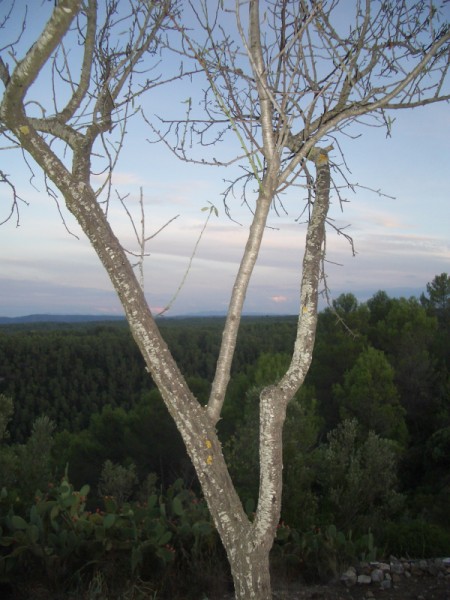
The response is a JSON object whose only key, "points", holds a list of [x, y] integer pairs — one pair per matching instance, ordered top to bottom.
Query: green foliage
{"points": [[438, 299], [345, 304], [379, 306], [406, 335], [340, 339], [384, 363], [270, 368], [369, 394], [6, 412], [301, 431], [144, 436], [300, 437], [438, 447], [241, 450], [35, 467], [24, 468], [358, 477], [117, 481], [58, 537], [50, 539], [416, 539], [322, 553]]}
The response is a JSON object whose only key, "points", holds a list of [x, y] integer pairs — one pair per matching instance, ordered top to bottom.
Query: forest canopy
{"points": [[76, 398]]}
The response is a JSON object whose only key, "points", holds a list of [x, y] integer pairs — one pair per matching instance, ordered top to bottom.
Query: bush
{"points": [[358, 477], [415, 539], [59, 544], [321, 553]]}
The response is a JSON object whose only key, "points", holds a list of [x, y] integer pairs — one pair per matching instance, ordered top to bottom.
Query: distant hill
{"points": [[58, 319]]}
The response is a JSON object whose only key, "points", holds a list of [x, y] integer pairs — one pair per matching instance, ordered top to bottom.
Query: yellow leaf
{"points": [[24, 129]]}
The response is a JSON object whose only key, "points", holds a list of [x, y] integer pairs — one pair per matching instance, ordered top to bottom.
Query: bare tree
{"points": [[302, 72]]}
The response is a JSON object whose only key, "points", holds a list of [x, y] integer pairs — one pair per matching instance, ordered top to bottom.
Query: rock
{"points": [[397, 567], [416, 570], [377, 575], [387, 575], [349, 577]]}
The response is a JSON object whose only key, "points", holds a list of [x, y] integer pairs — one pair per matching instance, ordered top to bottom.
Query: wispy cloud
{"points": [[279, 299]]}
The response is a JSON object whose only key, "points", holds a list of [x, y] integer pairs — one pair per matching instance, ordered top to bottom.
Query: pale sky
{"points": [[402, 239]]}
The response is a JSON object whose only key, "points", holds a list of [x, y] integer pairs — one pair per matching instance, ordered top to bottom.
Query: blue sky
{"points": [[402, 239]]}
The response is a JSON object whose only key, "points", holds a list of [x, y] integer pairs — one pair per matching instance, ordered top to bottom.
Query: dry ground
{"points": [[425, 588]]}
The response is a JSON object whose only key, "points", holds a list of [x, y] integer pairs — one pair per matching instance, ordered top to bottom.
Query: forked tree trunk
{"points": [[247, 543]]}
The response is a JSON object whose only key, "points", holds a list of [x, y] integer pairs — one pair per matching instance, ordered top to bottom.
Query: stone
{"points": [[397, 567], [377, 575], [390, 575], [349, 577]]}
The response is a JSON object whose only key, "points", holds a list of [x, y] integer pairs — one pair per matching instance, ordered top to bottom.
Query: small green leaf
{"points": [[85, 490], [151, 503], [178, 506], [54, 513], [34, 515], [109, 520], [18, 522], [202, 528], [33, 533], [165, 538], [6, 540]]}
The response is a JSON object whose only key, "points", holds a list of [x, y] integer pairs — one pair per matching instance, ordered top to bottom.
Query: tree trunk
{"points": [[250, 571]]}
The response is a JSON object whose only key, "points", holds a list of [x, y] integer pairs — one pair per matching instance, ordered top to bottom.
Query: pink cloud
{"points": [[279, 299]]}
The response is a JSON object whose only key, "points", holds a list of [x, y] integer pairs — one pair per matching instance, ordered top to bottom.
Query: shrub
{"points": [[415, 539], [61, 545], [321, 553]]}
